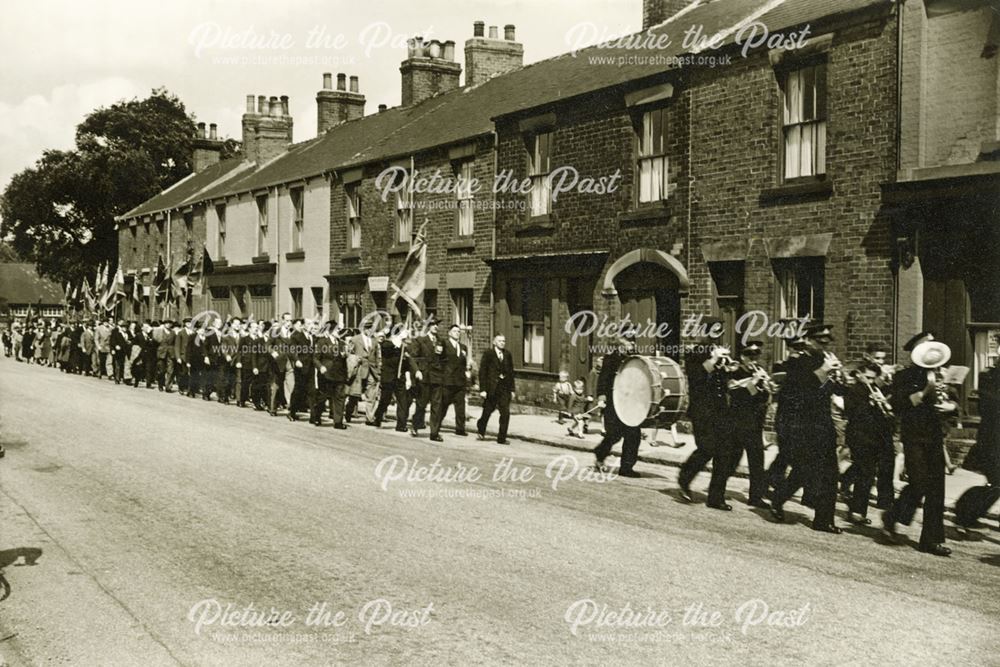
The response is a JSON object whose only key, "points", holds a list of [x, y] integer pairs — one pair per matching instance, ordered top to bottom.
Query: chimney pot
{"points": [[477, 28], [493, 32], [508, 32], [419, 49], [435, 49], [449, 50], [327, 81], [341, 82], [354, 84], [250, 104], [261, 104], [284, 105], [381, 108], [274, 109], [201, 130], [213, 132]]}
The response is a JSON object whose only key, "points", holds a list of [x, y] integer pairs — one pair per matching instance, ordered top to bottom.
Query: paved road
{"points": [[154, 512]]}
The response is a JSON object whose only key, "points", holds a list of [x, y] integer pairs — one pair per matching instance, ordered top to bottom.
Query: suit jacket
{"points": [[102, 338], [119, 339], [87, 341], [168, 341], [182, 343], [196, 346], [230, 347], [213, 349], [301, 350], [278, 352], [424, 358], [370, 360], [331, 363], [453, 364], [392, 370], [496, 376]]}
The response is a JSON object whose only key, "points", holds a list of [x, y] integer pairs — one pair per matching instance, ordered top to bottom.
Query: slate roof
{"points": [[465, 113], [188, 188], [20, 283]]}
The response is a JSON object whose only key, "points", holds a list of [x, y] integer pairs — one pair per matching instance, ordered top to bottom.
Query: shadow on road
{"points": [[30, 556]]}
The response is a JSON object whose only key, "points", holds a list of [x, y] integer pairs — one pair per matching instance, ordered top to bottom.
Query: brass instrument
{"points": [[934, 355], [726, 361], [836, 374], [763, 379], [879, 399], [942, 399]]}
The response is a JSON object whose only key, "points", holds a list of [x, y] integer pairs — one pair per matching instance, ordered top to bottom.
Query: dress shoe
{"points": [[273, 413], [292, 417], [315, 422], [376, 424], [342, 427], [401, 430], [414, 432], [461, 434], [480, 436], [437, 438], [502, 442], [600, 465], [628, 472], [685, 493], [758, 502], [883, 505], [725, 507], [778, 513], [858, 519], [889, 526], [828, 528], [935, 550]]}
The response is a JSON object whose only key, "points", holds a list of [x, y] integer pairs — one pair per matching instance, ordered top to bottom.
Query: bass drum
{"points": [[650, 390]]}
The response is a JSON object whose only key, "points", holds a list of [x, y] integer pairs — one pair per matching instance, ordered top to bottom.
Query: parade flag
{"points": [[205, 268], [179, 279], [412, 280], [136, 289], [116, 291], [88, 296]]}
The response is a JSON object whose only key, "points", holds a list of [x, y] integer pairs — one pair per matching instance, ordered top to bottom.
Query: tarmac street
{"points": [[143, 528]]}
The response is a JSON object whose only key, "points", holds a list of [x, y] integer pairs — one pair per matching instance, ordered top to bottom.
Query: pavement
{"points": [[139, 528]]}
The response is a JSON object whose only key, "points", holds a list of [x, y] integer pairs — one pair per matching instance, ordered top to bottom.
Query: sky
{"points": [[65, 58]]}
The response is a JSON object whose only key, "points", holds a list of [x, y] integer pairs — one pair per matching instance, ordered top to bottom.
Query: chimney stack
{"points": [[658, 11], [486, 58], [428, 70], [337, 106], [268, 131], [205, 149]]}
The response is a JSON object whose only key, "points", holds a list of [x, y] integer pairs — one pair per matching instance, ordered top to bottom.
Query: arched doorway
{"points": [[649, 284]]}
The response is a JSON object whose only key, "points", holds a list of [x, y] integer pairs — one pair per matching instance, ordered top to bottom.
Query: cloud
{"points": [[40, 122]]}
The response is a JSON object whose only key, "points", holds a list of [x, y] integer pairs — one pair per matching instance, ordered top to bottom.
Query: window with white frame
{"points": [[804, 123], [653, 161], [540, 165], [297, 197], [464, 198], [353, 204], [404, 212], [220, 214], [262, 225], [800, 284], [317, 295], [461, 300], [533, 305], [350, 309]]}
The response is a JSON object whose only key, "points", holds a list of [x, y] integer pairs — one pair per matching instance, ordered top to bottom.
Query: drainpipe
{"points": [[899, 163], [493, 244], [277, 258], [170, 267]]}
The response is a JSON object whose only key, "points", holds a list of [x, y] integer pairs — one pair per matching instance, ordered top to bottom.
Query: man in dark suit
{"points": [[278, 340], [166, 342], [120, 346], [150, 346], [300, 354], [182, 361], [196, 362], [453, 367], [425, 373], [331, 378], [393, 380], [225, 381], [496, 387], [614, 429]]}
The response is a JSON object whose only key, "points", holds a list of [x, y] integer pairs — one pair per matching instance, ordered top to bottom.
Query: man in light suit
{"points": [[165, 341], [102, 347], [87, 349], [453, 363], [366, 381], [496, 387]]}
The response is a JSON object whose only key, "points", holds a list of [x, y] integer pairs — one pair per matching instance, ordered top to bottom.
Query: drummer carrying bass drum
{"points": [[614, 429]]}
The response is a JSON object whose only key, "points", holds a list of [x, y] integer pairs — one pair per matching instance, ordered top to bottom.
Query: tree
{"points": [[60, 213]]}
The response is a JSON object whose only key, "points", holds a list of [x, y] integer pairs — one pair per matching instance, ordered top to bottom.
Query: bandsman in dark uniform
{"points": [[707, 366], [811, 382], [749, 396], [917, 399], [870, 423], [614, 429], [779, 466]]}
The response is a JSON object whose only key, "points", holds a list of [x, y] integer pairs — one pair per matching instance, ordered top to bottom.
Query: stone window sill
{"points": [[797, 190], [653, 213], [462, 244], [297, 254], [261, 259]]}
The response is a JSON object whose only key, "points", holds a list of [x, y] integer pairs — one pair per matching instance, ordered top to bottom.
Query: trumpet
{"points": [[726, 361], [836, 374], [878, 399], [942, 399]]}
